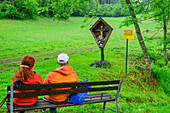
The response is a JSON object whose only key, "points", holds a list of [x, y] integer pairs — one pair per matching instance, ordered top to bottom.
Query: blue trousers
{"points": [[53, 110]]}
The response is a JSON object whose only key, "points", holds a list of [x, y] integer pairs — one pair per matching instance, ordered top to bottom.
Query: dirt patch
{"points": [[71, 52], [44, 55], [11, 60]]}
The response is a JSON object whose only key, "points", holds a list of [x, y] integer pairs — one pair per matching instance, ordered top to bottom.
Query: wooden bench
{"points": [[99, 97]]}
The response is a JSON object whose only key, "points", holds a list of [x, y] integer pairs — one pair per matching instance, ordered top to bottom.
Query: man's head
{"points": [[62, 59]]}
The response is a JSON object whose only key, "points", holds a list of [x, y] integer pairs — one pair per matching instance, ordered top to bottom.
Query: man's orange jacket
{"points": [[60, 75]]}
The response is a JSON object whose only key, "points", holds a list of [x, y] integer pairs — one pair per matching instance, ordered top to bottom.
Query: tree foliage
{"points": [[104, 8], [18, 9], [23, 9], [153, 10], [158, 11], [134, 20]]}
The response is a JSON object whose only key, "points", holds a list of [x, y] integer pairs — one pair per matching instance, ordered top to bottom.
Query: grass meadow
{"points": [[44, 39]]}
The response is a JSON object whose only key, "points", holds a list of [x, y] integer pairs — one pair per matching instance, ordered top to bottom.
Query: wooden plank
{"points": [[63, 85], [54, 92], [97, 95], [87, 97], [97, 98], [42, 102], [49, 105]]}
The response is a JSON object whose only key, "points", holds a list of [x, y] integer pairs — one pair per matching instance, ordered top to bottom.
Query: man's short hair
{"points": [[62, 58]]}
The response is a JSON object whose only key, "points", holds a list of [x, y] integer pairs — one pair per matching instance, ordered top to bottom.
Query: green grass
{"points": [[45, 39]]}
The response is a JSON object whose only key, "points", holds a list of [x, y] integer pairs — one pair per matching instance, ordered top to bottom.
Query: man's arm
{"points": [[47, 79], [76, 79]]}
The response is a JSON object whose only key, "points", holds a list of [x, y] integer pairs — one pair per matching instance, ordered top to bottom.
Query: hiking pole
{"points": [[3, 101]]}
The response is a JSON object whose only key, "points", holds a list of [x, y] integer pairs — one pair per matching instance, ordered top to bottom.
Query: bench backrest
{"points": [[96, 86], [11, 88]]}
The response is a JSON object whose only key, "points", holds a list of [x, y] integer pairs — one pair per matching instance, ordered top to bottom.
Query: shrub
{"points": [[28, 8], [22, 9], [84, 9], [117, 9], [107, 10], [8, 11], [44, 11], [155, 55], [159, 70], [163, 75]]}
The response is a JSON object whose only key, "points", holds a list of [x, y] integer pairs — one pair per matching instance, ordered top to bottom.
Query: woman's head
{"points": [[27, 62], [26, 66]]}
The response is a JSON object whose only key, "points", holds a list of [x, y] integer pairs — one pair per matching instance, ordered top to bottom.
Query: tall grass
{"points": [[45, 39]]}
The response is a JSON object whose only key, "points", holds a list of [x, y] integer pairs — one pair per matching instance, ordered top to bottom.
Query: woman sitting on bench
{"points": [[26, 75]]}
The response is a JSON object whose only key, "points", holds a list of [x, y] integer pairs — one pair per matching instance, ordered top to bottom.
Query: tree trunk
{"points": [[100, 1], [116, 1], [14, 3], [165, 32], [140, 39]]}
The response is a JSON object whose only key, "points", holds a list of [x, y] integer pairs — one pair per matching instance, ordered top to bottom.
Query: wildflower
{"points": [[100, 40]]}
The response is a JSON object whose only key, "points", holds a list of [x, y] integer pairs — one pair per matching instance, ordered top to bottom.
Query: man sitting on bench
{"points": [[63, 74]]}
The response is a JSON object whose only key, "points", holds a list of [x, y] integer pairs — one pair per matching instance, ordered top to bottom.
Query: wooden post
{"points": [[102, 54]]}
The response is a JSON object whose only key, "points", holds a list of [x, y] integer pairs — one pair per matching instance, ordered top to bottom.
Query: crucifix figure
{"points": [[101, 30]]}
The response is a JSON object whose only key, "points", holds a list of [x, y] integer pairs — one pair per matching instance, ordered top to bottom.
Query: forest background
{"points": [[141, 92]]}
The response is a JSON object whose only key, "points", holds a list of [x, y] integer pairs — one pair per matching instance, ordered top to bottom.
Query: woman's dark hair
{"points": [[26, 68]]}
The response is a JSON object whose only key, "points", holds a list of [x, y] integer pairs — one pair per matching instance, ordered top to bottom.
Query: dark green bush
{"points": [[28, 8], [23, 9], [84, 9], [7, 10], [106, 10], [117, 10], [44, 11], [155, 55], [168, 56], [160, 63], [159, 70], [163, 75]]}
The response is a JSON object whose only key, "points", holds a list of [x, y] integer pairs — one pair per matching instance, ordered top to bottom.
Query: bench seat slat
{"points": [[97, 95], [94, 98], [56, 105]]}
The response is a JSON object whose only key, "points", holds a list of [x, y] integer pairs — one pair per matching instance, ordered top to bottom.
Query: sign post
{"points": [[128, 34]]}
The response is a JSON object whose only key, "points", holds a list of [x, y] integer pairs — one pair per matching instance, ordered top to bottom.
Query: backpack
{"points": [[78, 98]]}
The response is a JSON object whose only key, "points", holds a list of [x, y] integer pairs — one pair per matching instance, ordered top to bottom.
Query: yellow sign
{"points": [[128, 34]]}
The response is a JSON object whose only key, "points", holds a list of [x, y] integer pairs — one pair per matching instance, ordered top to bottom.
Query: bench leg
{"points": [[11, 99], [104, 106], [116, 107]]}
